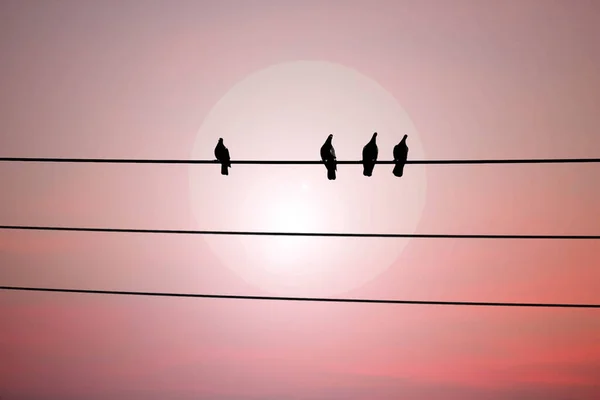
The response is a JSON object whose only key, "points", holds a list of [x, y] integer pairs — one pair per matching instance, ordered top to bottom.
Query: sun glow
{"points": [[291, 211], [291, 215]]}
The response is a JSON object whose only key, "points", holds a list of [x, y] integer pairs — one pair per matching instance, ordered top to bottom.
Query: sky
{"points": [[163, 79]]}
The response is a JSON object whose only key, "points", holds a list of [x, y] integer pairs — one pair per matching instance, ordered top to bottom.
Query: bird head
{"points": [[220, 140]]}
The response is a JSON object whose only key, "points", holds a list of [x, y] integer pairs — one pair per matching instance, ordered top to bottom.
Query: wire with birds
{"points": [[369, 157]]}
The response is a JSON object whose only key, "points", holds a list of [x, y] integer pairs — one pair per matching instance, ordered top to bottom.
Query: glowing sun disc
{"points": [[284, 112]]}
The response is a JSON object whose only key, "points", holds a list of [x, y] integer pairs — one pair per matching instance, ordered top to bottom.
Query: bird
{"points": [[222, 155], [369, 156], [400, 156], [328, 157]]}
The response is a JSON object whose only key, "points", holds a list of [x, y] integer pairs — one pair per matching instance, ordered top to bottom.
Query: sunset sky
{"points": [[166, 79]]}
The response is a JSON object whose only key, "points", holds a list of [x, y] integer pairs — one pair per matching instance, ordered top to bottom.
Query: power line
{"points": [[297, 162], [314, 234], [305, 299]]}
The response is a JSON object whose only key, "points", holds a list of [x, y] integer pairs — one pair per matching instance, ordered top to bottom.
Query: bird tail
{"points": [[331, 168], [224, 169], [368, 169], [398, 169], [331, 173]]}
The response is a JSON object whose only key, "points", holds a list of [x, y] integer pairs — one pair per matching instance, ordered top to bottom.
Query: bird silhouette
{"points": [[222, 155], [369, 156], [400, 156], [328, 157]]}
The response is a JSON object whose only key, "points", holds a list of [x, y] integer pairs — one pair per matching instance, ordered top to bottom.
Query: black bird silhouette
{"points": [[222, 155], [369, 156], [400, 156], [328, 157]]}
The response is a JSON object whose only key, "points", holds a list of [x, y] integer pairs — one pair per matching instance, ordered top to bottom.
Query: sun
{"points": [[286, 111], [289, 216]]}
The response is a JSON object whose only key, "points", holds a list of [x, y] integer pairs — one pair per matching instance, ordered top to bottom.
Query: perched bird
{"points": [[222, 155], [369, 156], [400, 156], [328, 157]]}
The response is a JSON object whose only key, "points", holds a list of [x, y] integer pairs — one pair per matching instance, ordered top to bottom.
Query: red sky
{"points": [[136, 79]]}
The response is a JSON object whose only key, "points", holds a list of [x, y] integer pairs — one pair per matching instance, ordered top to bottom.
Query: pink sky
{"points": [[136, 79]]}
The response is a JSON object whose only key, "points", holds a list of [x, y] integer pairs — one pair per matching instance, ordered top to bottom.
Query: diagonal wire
{"points": [[314, 234], [302, 299]]}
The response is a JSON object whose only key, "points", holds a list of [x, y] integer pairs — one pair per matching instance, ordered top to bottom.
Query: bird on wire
{"points": [[222, 155], [369, 156], [400, 156], [328, 157]]}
